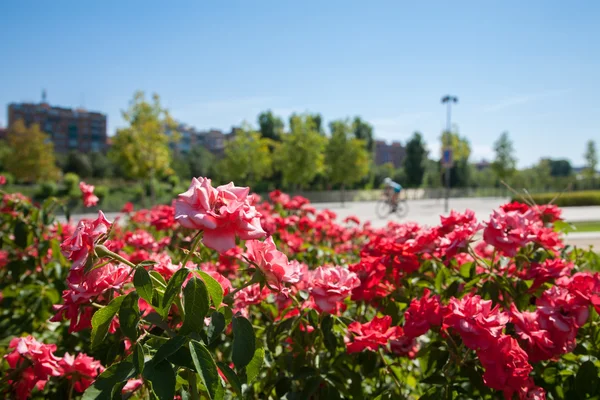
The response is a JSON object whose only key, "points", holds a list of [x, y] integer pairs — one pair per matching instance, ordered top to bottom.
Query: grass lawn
{"points": [[586, 226]]}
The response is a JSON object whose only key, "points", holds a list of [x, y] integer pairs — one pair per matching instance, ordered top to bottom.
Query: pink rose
{"points": [[87, 191], [222, 213], [78, 247], [272, 263], [331, 285], [43, 364]]}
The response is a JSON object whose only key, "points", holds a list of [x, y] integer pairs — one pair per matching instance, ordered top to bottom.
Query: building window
{"points": [[73, 136], [96, 146]]}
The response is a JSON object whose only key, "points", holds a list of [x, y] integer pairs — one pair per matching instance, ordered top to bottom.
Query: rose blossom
{"points": [[87, 191], [222, 213], [78, 247], [272, 263], [330, 285], [422, 314], [475, 321], [370, 335], [43, 364], [506, 366], [83, 369]]}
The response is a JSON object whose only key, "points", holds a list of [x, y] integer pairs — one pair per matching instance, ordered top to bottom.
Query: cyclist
{"points": [[392, 191]]}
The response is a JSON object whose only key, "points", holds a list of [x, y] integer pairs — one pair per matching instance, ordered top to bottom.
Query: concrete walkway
{"points": [[427, 212]]}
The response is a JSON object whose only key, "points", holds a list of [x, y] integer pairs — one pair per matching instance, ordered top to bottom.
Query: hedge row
{"points": [[569, 199]]}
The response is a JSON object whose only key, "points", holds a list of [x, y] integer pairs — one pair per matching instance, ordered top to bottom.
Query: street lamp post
{"points": [[447, 152]]}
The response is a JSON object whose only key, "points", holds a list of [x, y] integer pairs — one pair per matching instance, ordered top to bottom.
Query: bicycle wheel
{"points": [[383, 208], [402, 209]]}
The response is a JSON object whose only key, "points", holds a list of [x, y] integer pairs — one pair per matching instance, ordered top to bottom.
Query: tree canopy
{"points": [[142, 148], [31, 157], [300, 157], [247, 158], [346, 158], [415, 160], [505, 163]]}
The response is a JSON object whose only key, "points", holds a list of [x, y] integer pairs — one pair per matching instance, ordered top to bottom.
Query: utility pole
{"points": [[447, 150]]}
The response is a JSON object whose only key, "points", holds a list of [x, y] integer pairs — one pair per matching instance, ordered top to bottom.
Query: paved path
{"points": [[427, 212]]}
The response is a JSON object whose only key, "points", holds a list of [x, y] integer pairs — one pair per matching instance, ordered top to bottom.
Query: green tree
{"points": [[315, 119], [271, 126], [364, 132], [142, 148], [31, 157], [300, 157], [247, 158], [346, 158], [591, 159], [200, 160], [414, 162], [78, 163], [505, 163], [101, 165], [560, 168], [460, 173]]}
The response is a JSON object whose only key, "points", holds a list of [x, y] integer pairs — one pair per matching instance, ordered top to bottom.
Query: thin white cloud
{"points": [[523, 99], [392, 126]]}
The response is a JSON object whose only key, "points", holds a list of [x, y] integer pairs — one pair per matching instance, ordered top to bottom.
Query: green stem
{"points": [[195, 243], [102, 251], [255, 279], [193, 385]]}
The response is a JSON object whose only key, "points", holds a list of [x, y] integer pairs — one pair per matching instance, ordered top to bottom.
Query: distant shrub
{"points": [[71, 182], [46, 189], [101, 191], [569, 199]]}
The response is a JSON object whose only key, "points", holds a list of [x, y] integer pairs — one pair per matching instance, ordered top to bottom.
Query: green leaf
{"points": [[21, 232], [465, 270], [159, 278], [143, 284], [173, 288], [214, 288], [195, 304], [129, 316], [102, 319], [217, 325], [328, 336], [244, 342], [169, 348], [138, 358], [255, 365], [206, 367], [162, 377], [232, 378], [586, 380], [102, 387]]}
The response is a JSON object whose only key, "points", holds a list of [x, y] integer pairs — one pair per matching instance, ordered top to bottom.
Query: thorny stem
{"points": [[195, 243], [390, 371]]}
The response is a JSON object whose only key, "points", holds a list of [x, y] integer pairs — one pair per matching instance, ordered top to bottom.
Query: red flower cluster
{"points": [[36, 363]]}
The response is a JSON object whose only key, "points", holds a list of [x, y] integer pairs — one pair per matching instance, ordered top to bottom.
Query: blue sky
{"points": [[528, 67]]}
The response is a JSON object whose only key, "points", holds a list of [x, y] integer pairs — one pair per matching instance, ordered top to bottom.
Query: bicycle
{"points": [[384, 207]]}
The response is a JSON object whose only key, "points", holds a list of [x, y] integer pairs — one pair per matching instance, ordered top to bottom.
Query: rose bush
{"points": [[223, 295]]}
